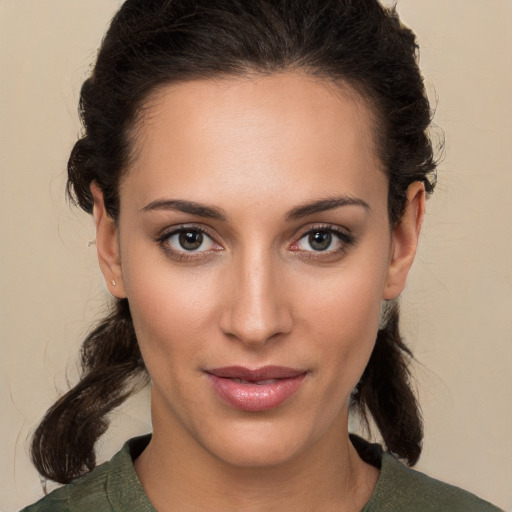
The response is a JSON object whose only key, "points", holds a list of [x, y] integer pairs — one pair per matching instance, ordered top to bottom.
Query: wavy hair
{"points": [[151, 43]]}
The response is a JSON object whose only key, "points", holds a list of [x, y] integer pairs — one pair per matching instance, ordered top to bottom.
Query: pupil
{"points": [[191, 240], [320, 241]]}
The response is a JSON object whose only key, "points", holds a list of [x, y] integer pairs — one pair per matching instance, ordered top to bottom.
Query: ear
{"points": [[404, 241], [107, 245]]}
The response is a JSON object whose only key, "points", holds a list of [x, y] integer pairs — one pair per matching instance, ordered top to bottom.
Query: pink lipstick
{"points": [[255, 390]]}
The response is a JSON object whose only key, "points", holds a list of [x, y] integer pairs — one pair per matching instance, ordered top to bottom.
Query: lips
{"points": [[255, 389]]}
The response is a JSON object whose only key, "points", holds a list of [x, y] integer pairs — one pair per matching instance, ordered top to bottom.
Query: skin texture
{"points": [[256, 292]]}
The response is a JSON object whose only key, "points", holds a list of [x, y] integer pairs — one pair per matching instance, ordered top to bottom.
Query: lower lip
{"points": [[255, 397]]}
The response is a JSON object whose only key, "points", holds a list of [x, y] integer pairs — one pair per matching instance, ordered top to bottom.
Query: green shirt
{"points": [[115, 487]]}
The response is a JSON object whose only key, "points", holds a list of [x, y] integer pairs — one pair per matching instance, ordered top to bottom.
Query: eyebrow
{"points": [[324, 205], [186, 207], [296, 213]]}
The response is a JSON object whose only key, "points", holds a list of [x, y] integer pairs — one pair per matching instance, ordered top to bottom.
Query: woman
{"points": [[260, 316]]}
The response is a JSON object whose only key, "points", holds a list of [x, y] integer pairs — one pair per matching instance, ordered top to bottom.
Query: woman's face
{"points": [[255, 250]]}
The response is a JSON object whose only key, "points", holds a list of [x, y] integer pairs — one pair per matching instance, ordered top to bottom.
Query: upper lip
{"points": [[256, 374]]}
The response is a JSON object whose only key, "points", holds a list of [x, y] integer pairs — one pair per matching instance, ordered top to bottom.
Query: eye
{"points": [[190, 240], [318, 240], [327, 240], [185, 242]]}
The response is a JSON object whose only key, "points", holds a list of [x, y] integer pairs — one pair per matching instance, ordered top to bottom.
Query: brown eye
{"points": [[190, 240], [320, 240], [324, 241], [188, 243]]}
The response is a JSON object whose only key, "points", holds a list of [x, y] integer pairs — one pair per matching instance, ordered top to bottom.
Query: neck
{"points": [[329, 475]]}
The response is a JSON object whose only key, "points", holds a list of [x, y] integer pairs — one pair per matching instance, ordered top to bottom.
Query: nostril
{"points": [[253, 331]]}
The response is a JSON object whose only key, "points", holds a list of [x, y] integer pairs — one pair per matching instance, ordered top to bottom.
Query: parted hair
{"points": [[151, 43]]}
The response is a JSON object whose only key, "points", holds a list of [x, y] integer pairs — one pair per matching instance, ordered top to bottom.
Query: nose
{"points": [[256, 310]]}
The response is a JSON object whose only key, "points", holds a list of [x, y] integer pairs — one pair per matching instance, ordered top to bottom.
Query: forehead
{"points": [[253, 134]]}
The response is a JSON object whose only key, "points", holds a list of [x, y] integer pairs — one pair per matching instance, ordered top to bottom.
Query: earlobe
{"points": [[404, 241], [107, 245]]}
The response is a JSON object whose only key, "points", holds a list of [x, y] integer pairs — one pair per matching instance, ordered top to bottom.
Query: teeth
{"points": [[258, 382], [264, 382]]}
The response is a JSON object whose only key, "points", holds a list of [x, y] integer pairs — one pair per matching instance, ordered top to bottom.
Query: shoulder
{"points": [[110, 487], [400, 488], [81, 494]]}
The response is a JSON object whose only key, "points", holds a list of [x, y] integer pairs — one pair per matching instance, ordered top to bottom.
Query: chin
{"points": [[258, 446], [258, 455]]}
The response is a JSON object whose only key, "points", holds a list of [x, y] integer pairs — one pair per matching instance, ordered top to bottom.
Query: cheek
{"points": [[349, 299], [171, 310], [343, 317]]}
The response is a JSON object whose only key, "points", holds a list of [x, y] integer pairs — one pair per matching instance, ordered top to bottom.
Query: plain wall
{"points": [[457, 309]]}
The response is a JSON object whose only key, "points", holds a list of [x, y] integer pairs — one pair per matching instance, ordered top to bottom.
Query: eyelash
{"points": [[345, 239], [184, 255]]}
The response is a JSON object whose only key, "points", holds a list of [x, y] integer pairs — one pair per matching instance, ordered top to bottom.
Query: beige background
{"points": [[458, 306]]}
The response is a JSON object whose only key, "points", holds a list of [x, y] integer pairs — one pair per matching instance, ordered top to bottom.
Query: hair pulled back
{"points": [[151, 43]]}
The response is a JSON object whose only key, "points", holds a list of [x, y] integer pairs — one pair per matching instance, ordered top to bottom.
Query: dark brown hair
{"points": [[151, 43]]}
